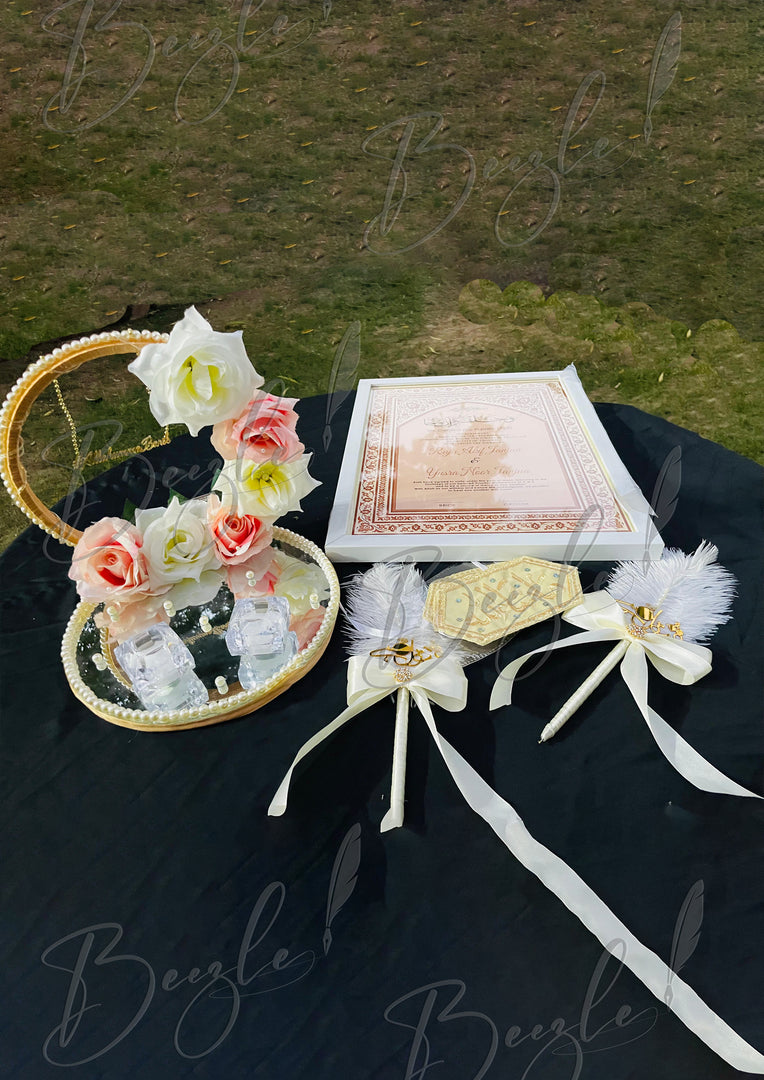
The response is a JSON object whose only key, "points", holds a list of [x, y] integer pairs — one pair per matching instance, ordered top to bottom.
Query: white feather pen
{"points": [[692, 590], [685, 596], [382, 605], [385, 606]]}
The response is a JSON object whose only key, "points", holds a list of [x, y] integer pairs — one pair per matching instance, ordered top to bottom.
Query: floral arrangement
{"points": [[180, 555]]}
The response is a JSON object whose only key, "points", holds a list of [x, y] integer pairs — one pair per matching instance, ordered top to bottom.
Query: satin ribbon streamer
{"points": [[602, 619], [370, 680], [443, 681]]}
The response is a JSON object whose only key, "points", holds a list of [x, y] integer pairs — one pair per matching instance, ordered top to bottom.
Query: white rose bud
{"points": [[199, 376], [180, 552], [298, 582]]}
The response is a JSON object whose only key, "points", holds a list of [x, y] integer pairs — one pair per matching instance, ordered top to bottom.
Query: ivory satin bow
{"points": [[602, 619], [370, 680], [443, 681]]}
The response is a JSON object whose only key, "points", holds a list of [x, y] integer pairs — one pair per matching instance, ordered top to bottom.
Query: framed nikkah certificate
{"points": [[484, 467]]}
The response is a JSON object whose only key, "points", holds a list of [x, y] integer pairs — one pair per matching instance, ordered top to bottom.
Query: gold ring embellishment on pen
{"points": [[644, 620], [405, 657]]}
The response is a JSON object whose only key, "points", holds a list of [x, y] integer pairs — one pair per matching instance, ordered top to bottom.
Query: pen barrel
{"points": [[587, 687], [394, 816]]}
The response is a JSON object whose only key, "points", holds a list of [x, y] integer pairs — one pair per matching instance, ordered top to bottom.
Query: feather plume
{"points": [[663, 68], [343, 375], [665, 494], [692, 590], [386, 604], [343, 879], [686, 933]]}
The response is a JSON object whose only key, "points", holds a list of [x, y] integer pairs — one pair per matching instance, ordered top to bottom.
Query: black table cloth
{"points": [[156, 923]]}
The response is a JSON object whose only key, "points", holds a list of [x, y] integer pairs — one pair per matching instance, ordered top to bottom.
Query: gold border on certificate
{"points": [[499, 456], [484, 467]]}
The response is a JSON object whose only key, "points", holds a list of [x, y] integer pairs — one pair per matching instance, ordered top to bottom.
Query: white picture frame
{"points": [[472, 467]]}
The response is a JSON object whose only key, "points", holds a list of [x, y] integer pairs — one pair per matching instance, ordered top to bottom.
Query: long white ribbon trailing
{"points": [[602, 619], [370, 680], [444, 683]]}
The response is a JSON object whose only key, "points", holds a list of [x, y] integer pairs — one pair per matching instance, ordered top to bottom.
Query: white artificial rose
{"points": [[199, 376], [266, 491], [180, 551], [299, 581]]}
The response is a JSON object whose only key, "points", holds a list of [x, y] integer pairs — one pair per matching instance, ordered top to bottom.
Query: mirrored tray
{"points": [[108, 693]]}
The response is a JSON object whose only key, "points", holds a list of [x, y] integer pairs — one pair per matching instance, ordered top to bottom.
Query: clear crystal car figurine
{"points": [[259, 633], [161, 669]]}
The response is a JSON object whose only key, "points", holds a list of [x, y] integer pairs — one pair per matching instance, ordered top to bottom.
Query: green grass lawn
{"points": [[261, 177]]}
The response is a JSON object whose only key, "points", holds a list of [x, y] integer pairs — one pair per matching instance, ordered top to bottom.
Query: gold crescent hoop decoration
{"points": [[19, 402], [82, 666]]}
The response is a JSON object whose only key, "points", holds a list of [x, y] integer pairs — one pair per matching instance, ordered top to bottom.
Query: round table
{"points": [[156, 922]]}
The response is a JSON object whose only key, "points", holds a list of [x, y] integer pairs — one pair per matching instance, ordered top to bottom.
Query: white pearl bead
{"points": [[221, 685]]}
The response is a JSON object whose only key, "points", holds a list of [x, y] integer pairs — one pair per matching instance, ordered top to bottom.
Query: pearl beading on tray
{"points": [[226, 704], [212, 710]]}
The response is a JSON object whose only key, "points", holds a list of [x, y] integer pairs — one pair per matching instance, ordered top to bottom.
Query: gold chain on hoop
{"points": [[70, 422]]}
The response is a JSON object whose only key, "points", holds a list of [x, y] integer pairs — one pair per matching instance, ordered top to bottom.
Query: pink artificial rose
{"points": [[265, 431], [237, 537], [108, 563], [265, 571], [132, 617], [307, 626]]}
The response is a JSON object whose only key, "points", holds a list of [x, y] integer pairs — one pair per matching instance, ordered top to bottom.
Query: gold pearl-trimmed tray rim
{"points": [[232, 705]]}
